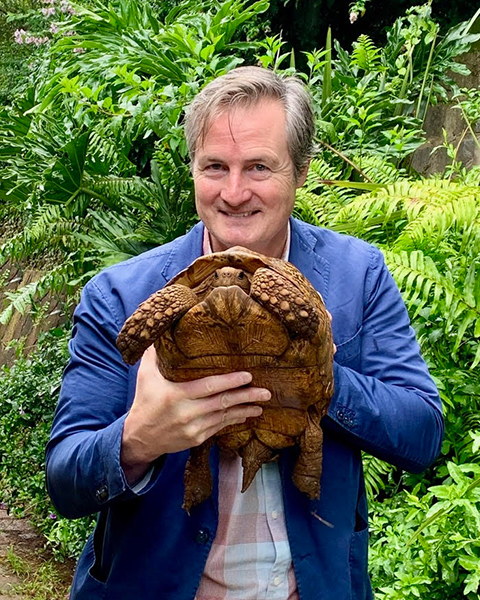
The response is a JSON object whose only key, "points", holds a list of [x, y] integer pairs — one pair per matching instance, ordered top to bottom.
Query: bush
{"points": [[29, 393]]}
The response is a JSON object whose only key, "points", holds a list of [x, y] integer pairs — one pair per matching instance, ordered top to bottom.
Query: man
{"points": [[121, 435]]}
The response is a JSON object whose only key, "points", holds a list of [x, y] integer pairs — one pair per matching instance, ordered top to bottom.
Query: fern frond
{"points": [[365, 54], [377, 168], [318, 202], [47, 231], [53, 281], [423, 286], [376, 473]]}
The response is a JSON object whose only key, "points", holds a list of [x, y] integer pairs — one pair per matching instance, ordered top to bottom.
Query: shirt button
{"points": [[101, 494], [275, 514], [202, 536], [277, 581]]}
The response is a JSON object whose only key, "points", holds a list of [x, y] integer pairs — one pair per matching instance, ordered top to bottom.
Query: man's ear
{"points": [[302, 176]]}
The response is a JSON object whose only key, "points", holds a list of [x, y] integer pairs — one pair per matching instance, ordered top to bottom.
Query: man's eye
{"points": [[214, 167], [259, 167]]}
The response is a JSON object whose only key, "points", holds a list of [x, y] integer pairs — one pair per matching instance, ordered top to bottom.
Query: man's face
{"points": [[244, 179]]}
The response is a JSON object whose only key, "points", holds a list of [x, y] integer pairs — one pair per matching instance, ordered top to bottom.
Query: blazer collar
{"points": [[184, 250]]}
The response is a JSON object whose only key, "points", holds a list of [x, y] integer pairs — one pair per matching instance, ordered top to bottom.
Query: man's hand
{"points": [[169, 417]]}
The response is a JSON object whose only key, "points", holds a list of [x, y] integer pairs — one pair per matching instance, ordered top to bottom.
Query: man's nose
{"points": [[235, 189]]}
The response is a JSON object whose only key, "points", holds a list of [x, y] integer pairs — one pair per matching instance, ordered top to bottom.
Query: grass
{"points": [[42, 579]]}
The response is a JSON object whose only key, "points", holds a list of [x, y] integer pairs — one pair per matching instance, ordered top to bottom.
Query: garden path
{"points": [[15, 533]]}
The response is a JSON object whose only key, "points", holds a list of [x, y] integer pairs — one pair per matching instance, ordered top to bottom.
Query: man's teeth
{"points": [[245, 214]]}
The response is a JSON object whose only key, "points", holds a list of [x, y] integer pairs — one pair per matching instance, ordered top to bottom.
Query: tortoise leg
{"points": [[278, 295], [152, 318], [254, 454], [308, 468], [198, 477]]}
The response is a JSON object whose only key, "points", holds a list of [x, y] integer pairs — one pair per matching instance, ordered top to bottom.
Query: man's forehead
{"points": [[229, 115]]}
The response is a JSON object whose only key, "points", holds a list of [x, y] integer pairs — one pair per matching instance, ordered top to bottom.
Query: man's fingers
{"points": [[149, 361], [215, 384], [240, 396], [231, 416]]}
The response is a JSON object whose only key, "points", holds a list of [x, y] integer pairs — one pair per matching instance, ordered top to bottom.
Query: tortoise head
{"points": [[227, 276]]}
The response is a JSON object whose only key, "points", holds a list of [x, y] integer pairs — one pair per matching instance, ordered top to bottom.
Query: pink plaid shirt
{"points": [[250, 557]]}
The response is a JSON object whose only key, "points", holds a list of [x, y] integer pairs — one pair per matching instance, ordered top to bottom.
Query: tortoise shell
{"points": [[238, 310]]}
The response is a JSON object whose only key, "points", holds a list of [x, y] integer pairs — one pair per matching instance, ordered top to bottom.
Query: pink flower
{"points": [[48, 12], [353, 17], [53, 28], [19, 36], [79, 50]]}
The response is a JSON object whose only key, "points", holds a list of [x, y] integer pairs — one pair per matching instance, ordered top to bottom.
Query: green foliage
{"points": [[93, 162], [94, 169], [29, 393], [424, 528], [427, 546]]}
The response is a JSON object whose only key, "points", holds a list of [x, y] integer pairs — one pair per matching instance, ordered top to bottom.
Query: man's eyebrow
{"points": [[213, 159]]}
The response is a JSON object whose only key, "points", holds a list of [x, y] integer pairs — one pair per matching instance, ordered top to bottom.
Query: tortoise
{"points": [[238, 310]]}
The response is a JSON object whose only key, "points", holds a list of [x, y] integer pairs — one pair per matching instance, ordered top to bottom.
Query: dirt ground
{"points": [[18, 535]]}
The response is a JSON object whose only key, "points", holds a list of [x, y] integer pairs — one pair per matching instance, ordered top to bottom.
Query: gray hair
{"points": [[247, 86]]}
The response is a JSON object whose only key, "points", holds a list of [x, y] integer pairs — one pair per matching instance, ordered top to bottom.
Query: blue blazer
{"points": [[145, 546]]}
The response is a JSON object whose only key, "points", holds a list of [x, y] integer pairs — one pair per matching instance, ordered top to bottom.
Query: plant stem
{"points": [[347, 160]]}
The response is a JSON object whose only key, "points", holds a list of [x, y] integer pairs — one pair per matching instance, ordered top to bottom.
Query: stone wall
{"points": [[446, 116], [25, 327]]}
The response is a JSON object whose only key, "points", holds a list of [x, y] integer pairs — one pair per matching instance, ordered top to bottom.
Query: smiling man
{"points": [[245, 181], [121, 435]]}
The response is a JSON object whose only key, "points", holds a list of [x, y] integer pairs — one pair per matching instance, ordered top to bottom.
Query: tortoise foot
{"points": [[280, 296], [152, 318], [308, 468], [198, 477]]}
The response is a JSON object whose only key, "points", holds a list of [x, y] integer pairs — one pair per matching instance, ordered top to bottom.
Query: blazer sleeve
{"points": [[388, 403], [83, 455]]}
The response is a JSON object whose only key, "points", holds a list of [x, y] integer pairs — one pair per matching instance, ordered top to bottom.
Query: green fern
{"points": [[365, 55], [54, 280], [376, 474]]}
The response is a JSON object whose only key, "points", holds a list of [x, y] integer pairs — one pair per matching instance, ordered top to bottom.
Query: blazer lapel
{"points": [[184, 251], [305, 255]]}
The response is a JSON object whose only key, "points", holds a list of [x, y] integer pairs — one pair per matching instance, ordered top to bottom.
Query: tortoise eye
{"points": [[216, 274], [241, 275]]}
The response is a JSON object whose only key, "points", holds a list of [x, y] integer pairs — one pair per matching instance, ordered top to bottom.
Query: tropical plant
{"points": [[93, 161], [429, 233]]}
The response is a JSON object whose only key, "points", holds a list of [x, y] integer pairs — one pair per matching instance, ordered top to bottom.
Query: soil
{"points": [[28, 544]]}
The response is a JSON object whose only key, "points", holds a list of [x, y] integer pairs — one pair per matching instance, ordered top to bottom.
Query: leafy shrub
{"points": [[29, 392], [427, 546]]}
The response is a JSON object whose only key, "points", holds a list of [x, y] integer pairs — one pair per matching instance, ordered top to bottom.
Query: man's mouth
{"points": [[240, 215]]}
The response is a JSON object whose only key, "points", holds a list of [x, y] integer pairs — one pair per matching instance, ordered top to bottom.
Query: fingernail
{"points": [[246, 377], [265, 395]]}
